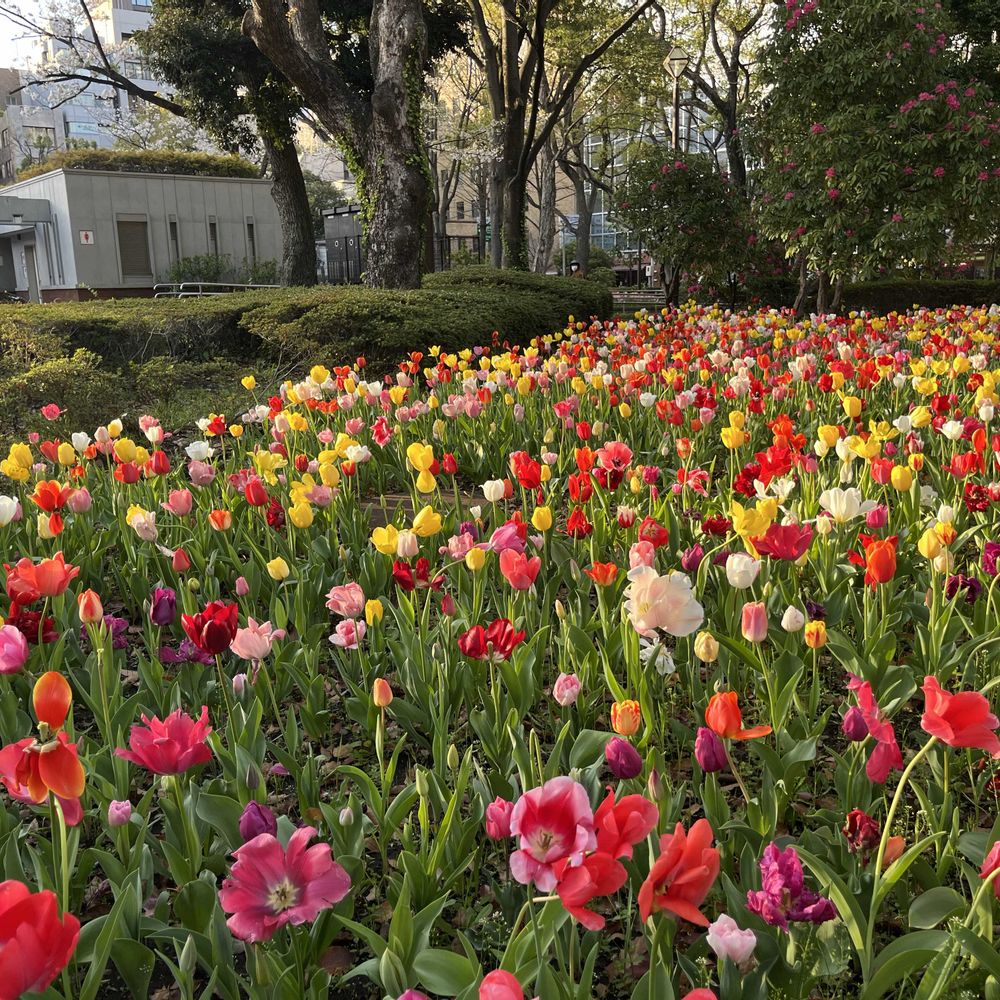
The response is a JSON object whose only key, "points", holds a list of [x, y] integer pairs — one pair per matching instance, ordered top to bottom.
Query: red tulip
{"points": [[214, 629], [724, 718], [960, 720], [171, 746], [682, 875], [35, 942]]}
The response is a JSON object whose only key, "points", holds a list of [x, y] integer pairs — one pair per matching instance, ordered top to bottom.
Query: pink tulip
{"points": [[201, 473], [80, 501], [179, 502], [506, 538], [641, 554], [518, 570], [347, 600], [754, 621], [349, 633], [255, 641], [13, 650], [566, 689], [498, 814], [552, 823], [500, 985]]}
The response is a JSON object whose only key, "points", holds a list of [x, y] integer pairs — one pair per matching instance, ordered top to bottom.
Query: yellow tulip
{"points": [[249, 383], [852, 406], [125, 450], [901, 478], [301, 515], [541, 519], [427, 523], [384, 539], [929, 544], [475, 559], [277, 569], [373, 611]]}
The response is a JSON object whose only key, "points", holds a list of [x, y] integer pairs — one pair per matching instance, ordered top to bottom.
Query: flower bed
{"points": [[671, 677]]}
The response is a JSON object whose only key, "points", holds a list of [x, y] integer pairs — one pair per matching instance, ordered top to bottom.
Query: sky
{"points": [[14, 47]]}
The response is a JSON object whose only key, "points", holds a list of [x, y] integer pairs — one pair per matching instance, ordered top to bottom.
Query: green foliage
{"points": [[874, 151], [144, 161], [322, 195], [686, 211], [220, 268], [879, 297]]}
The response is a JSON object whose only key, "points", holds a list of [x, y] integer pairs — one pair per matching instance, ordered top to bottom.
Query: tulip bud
{"points": [[180, 561], [277, 569], [194, 585], [242, 587], [163, 606], [90, 608], [560, 610], [793, 619], [753, 621], [815, 634], [706, 647], [241, 686], [566, 689], [381, 693], [625, 717], [854, 726], [709, 751], [623, 759], [453, 760], [253, 778], [420, 780], [655, 786], [119, 813], [346, 817], [497, 818], [255, 820]]}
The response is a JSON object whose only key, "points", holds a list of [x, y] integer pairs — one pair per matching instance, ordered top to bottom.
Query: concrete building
{"points": [[79, 234]]}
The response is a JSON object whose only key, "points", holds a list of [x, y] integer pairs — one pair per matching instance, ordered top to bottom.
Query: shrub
{"points": [[143, 161], [220, 268], [898, 295]]}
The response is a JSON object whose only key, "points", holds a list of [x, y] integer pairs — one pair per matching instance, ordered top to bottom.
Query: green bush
{"points": [[143, 161], [220, 268], [898, 295], [78, 384]]}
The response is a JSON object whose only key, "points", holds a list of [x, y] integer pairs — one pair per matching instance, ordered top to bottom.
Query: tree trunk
{"points": [[383, 134], [288, 189], [546, 209], [496, 215], [513, 235], [821, 289], [838, 294], [800, 298]]}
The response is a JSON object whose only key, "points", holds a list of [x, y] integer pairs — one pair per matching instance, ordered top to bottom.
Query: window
{"points": [[142, 4], [83, 128], [5, 138], [40, 138], [346, 171], [475, 209], [460, 210], [213, 236], [175, 240], [251, 241], [133, 247]]}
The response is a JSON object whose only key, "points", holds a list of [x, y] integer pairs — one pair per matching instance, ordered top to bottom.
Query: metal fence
{"points": [[200, 289]]}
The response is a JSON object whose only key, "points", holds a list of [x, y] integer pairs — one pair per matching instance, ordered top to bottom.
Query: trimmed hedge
{"points": [[143, 161], [891, 295], [68, 351]]}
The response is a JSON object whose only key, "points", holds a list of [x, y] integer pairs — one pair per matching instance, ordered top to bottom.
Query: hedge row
{"points": [[143, 161], [891, 295], [99, 358]]}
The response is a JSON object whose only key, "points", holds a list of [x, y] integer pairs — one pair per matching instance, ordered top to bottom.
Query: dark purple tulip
{"points": [[469, 528], [991, 554], [691, 558], [719, 559], [971, 587], [163, 606], [815, 611], [854, 726], [709, 751], [623, 758], [255, 820]]}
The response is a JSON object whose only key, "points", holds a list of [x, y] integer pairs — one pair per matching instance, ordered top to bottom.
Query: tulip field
{"points": [[656, 658]]}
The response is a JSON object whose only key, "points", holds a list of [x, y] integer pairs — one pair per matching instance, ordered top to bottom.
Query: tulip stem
{"points": [[736, 775], [887, 827]]}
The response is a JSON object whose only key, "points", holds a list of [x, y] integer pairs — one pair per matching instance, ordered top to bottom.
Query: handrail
{"points": [[198, 289]]}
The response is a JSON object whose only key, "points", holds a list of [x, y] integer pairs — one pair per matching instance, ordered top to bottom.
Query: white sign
{"points": [[87, 237]]}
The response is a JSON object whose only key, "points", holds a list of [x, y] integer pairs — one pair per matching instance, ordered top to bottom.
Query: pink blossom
{"points": [[51, 411], [201, 473], [79, 501], [179, 502], [506, 538], [641, 554], [518, 570], [347, 600], [349, 633], [255, 641], [566, 689], [498, 814], [553, 823], [270, 886]]}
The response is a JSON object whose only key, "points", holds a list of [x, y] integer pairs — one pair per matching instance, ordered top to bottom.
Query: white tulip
{"points": [[741, 570]]}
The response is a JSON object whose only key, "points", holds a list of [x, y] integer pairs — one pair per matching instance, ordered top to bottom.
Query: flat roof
{"points": [[72, 171]]}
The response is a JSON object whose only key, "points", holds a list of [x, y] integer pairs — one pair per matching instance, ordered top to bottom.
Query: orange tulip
{"points": [[50, 496], [221, 520], [880, 559], [603, 574], [90, 608], [381, 693], [52, 698], [625, 717], [724, 718]]}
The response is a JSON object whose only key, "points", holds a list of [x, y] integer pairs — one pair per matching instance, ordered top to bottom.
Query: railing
{"points": [[201, 289]]}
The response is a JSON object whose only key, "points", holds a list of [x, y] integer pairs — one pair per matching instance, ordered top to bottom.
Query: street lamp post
{"points": [[675, 63]]}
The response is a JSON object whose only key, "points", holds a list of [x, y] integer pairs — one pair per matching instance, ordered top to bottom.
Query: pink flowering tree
{"points": [[874, 150], [691, 217]]}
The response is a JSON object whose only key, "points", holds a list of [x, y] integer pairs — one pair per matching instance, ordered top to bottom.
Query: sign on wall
{"points": [[87, 237]]}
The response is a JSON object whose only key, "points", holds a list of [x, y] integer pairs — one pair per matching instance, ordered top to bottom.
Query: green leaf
{"points": [[222, 814], [846, 901], [194, 903], [933, 906], [984, 952], [902, 958], [134, 961], [443, 971]]}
